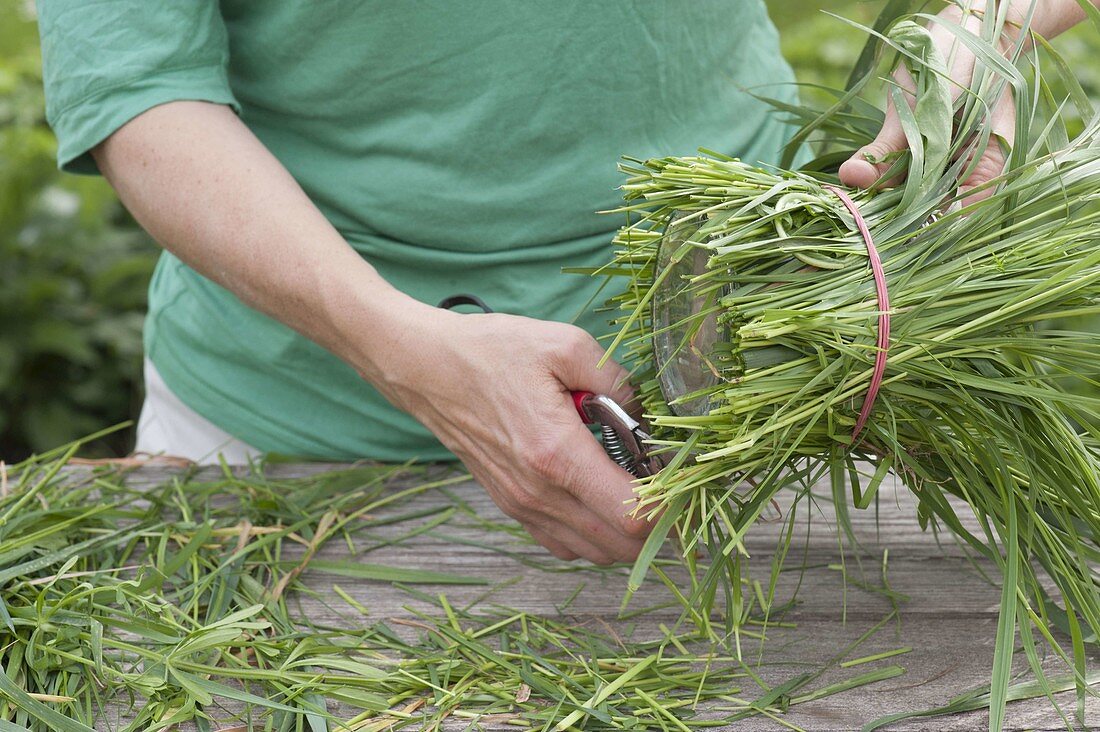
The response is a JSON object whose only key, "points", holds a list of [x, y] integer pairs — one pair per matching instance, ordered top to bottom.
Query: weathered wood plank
{"points": [[949, 619]]}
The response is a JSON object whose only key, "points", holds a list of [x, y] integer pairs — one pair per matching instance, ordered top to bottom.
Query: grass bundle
{"points": [[974, 409]]}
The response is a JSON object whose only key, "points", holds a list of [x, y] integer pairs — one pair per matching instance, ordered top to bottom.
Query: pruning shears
{"points": [[622, 436]]}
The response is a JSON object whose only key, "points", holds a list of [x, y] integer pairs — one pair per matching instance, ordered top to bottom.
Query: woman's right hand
{"points": [[495, 389]]}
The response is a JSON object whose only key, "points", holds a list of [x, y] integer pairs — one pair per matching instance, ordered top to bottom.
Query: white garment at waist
{"points": [[167, 426]]}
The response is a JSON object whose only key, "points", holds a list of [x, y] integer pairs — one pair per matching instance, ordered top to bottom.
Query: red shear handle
{"points": [[579, 398]]}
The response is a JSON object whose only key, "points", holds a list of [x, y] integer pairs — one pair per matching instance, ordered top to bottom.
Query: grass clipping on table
{"points": [[974, 404], [185, 601]]}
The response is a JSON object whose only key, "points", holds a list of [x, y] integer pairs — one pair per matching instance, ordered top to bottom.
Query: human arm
{"points": [[1050, 18], [493, 388]]}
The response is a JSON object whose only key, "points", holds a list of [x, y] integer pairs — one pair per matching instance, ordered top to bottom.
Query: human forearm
{"points": [[208, 191], [493, 388]]}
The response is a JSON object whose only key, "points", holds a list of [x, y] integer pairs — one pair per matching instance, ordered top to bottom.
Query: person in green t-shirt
{"points": [[320, 175]]}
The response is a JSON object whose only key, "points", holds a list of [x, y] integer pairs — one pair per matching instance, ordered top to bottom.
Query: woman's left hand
{"points": [[1048, 19], [873, 160]]}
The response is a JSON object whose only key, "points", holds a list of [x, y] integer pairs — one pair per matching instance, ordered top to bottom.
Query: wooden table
{"points": [[949, 618]]}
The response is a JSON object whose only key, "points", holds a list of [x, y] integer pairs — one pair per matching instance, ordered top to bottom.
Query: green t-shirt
{"points": [[460, 147]]}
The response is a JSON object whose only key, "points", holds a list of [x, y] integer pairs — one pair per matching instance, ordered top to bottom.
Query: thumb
{"points": [[991, 160], [870, 162], [579, 370]]}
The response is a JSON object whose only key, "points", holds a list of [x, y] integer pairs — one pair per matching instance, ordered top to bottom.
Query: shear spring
{"points": [[616, 449]]}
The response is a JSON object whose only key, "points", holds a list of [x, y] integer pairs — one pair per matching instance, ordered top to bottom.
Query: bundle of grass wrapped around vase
{"points": [[973, 404]]}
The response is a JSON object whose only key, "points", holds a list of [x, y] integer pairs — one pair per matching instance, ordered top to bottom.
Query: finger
{"points": [[871, 161], [991, 162], [579, 368], [581, 466], [591, 477], [540, 500], [542, 503], [549, 517], [588, 533], [576, 544], [555, 547]]}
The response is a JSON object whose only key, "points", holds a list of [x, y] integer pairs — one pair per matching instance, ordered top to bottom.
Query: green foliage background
{"points": [[74, 267], [73, 274]]}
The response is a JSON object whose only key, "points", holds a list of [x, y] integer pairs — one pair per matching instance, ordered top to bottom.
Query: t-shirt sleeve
{"points": [[105, 62]]}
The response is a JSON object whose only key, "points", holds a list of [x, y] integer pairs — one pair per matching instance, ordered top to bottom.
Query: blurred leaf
{"points": [[74, 270], [62, 339], [55, 422]]}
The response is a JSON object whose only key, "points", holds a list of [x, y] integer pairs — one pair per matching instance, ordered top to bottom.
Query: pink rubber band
{"points": [[883, 340]]}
